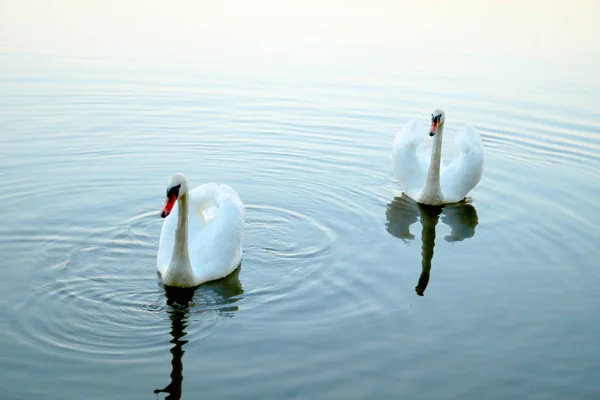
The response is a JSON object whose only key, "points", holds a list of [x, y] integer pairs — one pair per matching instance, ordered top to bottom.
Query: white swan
{"points": [[420, 169], [201, 239]]}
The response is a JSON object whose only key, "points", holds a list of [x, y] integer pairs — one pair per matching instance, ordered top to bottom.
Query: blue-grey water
{"points": [[347, 290]]}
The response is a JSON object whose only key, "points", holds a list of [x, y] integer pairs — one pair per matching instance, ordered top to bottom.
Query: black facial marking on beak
{"points": [[435, 121], [174, 191], [163, 214]]}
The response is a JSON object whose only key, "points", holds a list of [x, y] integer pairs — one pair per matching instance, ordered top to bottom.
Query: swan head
{"points": [[438, 117], [176, 187]]}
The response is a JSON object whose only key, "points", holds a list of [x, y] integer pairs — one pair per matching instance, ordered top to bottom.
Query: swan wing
{"points": [[411, 157], [463, 174], [216, 222]]}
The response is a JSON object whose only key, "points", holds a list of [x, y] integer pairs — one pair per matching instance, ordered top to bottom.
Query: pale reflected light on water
{"points": [[347, 290]]}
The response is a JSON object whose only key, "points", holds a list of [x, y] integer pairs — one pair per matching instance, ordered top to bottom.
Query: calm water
{"points": [[298, 114]]}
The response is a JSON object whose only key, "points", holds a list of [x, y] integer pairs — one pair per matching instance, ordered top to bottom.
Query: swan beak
{"points": [[433, 129], [169, 203]]}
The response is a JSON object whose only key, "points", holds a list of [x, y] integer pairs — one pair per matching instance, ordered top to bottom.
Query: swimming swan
{"points": [[420, 169], [201, 238]]}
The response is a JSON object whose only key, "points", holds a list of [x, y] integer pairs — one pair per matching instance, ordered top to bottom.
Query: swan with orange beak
{"points": [[420, 169], [201, 237]]}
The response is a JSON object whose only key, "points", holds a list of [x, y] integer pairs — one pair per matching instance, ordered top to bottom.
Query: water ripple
{"points": [[105, 301]]}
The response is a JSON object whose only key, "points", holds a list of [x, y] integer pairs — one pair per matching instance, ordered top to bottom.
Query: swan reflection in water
{"points": [[403, 212], [213, 297]]}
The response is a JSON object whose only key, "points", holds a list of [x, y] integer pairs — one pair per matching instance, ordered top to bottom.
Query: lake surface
{"points": [[347, 290]]}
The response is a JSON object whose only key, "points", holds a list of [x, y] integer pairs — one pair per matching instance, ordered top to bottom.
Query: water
{"points": [[347, 290]]}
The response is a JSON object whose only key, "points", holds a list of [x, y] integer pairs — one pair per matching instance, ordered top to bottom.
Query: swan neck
{"points": [[432, 185], [181, 257]]}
